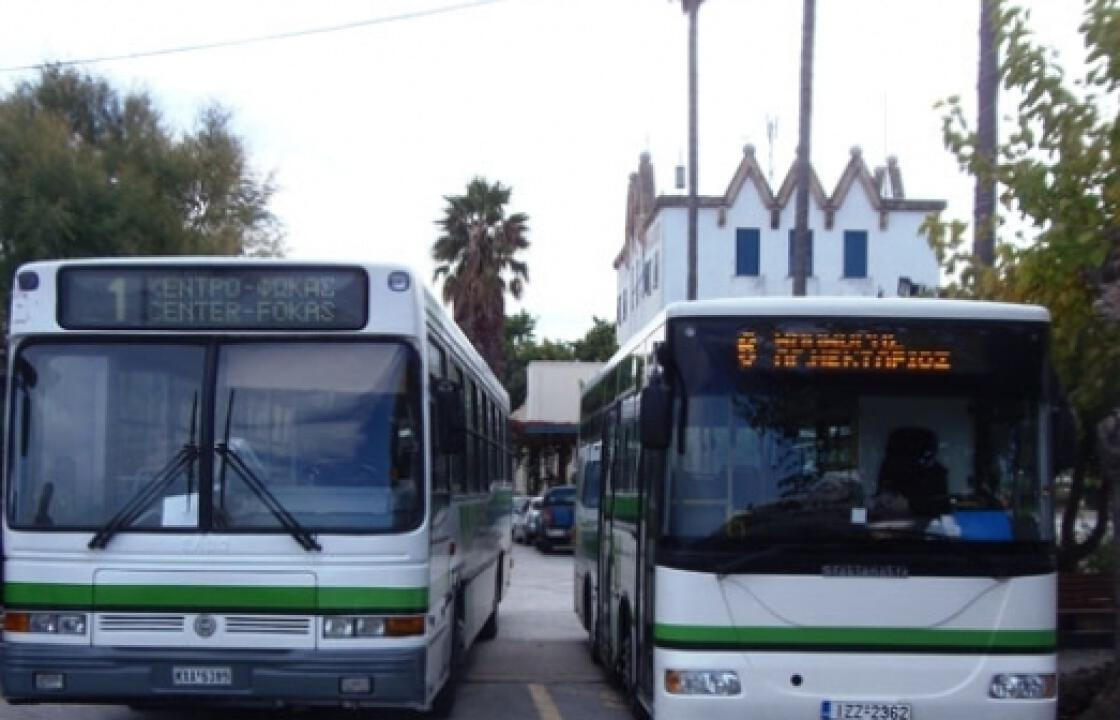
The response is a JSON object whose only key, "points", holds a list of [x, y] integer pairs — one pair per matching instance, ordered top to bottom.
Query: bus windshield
{"points": [[325, 431], [829, 431]]}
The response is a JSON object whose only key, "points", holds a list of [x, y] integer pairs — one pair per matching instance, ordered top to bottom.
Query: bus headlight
{"points": [[46, 623], [359, 626], [702, 682], [1023, 686]]}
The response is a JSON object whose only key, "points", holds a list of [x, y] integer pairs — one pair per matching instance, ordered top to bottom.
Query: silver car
{"points": [[526, 519]]}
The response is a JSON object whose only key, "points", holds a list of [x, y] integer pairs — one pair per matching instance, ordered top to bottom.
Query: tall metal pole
{"points": [[987, 136], [693, 171], [801, 206]]}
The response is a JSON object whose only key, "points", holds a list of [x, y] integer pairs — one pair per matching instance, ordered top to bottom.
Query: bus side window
{"points": [[472, 436], [459, 462], [440, 463]]}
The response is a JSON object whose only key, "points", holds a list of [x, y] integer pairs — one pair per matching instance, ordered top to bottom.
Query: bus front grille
{"points": [[116, 623], [257, 625]]}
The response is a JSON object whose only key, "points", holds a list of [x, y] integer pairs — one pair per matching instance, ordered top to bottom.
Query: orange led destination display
{"points": [[857, 350]]}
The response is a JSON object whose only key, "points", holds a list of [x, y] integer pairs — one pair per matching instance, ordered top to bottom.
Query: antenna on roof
{"points": [[771, 138]]}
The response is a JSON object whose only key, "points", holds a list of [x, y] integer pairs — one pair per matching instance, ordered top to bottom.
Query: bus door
{"points": [[609, 467], [650, 473]]}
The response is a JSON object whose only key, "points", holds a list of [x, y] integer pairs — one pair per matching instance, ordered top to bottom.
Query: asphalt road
{"points": [[537, 668]]}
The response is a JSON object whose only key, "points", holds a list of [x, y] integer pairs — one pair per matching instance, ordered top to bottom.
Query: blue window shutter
{"points": [[747, 251], [855, 253], [809, 268]]}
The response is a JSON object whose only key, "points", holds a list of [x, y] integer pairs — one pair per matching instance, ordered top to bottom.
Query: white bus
{"points": [[260, 482], [824, 508]]}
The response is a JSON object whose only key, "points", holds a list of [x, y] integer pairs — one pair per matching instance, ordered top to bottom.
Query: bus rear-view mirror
{"points": [[656, 417]]}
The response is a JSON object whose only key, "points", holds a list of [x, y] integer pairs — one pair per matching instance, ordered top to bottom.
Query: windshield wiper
{"points": [[230, 458], [184, 459], [297, 531], [967, 549], [741, 561]]}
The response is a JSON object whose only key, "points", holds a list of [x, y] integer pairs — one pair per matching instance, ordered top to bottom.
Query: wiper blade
{"points": [[184, 459], [145, 497], [287, 520], [965, 548], [741, 561]]}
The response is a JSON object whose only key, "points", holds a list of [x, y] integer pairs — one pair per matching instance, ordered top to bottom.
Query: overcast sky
{"points": [[367, 129]]}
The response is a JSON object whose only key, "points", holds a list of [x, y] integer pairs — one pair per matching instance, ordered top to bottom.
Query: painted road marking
{"points": [[546, 708]]}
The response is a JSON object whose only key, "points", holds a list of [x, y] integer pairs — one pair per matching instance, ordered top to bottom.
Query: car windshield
{"points": [[325, 432], [767, 454]]}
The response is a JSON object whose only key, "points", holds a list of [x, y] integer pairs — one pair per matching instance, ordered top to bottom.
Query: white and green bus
{"points": [[246, 481], [824, 508]]}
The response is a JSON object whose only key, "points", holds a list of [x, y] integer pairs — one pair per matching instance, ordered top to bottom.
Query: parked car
{"points": [[520, 516], [557, 517], [533, 520]]}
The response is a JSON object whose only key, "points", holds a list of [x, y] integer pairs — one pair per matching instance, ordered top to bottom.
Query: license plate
{"points": [[201, 676], [864, 711]]}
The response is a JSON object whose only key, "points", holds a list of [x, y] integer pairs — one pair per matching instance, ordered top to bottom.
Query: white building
{"points": [[864, 239], [546, 428]]}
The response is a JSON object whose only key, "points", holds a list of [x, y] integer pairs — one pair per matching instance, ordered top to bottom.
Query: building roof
{"points": [[884, 191]]}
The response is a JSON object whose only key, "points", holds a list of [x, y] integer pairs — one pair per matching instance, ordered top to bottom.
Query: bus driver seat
{"points": [[910, 469]]}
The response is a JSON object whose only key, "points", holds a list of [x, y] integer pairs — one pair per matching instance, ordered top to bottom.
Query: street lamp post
{"points": [[691, 7], [801, 201]]}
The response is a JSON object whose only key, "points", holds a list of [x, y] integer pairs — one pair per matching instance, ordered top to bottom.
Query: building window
{"points": [[746, 251], [855, 253], [655, 256], [809, 264], [646, 284]]}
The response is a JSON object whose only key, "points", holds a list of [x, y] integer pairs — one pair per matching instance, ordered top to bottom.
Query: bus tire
{"points": [[592, 625], [489, 629], [624, 660], [444, 700]]}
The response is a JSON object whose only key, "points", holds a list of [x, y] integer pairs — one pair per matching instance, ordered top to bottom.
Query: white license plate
{"points": [[201, 676], [831, 710]]}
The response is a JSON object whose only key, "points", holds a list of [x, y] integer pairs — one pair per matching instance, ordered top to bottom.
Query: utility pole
{"points": [[691, 7], [987, 136], [801, 207]]}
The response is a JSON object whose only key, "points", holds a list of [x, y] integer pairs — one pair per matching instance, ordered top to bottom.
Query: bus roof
{"points": [[931, 308]]}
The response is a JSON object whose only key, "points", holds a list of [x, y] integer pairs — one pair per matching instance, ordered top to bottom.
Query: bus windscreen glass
{"points": [[155, 297], [857, 431]]}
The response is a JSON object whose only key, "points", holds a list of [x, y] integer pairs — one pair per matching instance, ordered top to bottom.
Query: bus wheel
{"points": [[591, 624], [489, 630], [624, 661], [445, 698]]}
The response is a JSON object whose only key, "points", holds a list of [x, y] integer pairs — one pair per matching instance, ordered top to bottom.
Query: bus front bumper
{"points": [[141, 676]]}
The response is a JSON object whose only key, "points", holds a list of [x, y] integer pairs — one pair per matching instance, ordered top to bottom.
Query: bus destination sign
{"points": [[259, 297], [829, 350]]}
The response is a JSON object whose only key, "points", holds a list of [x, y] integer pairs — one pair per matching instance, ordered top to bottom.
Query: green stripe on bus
{"points": [[623, 507], [59, 594], [263, 598], [339, 598], [873, 638]]}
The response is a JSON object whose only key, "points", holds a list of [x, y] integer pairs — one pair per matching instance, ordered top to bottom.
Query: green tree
{"points": [[1058, 170], [87, 171], [476, 251], [598, 344], [522, 348]]}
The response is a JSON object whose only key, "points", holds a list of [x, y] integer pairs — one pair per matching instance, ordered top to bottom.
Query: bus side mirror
{"points": [[656, 416], [451, 419], [1063, 436]]}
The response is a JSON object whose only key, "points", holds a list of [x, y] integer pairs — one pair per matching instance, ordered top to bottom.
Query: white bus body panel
{"points": [[936, 685]]}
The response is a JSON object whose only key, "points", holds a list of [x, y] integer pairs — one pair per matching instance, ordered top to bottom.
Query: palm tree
{"points": [[475, 252]]}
